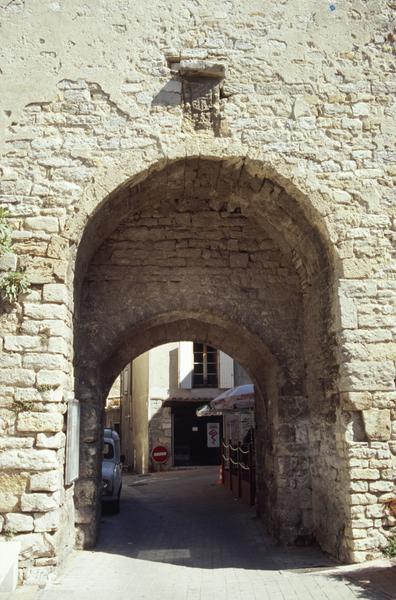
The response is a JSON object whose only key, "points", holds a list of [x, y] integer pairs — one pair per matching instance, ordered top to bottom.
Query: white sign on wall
{"points": [[213, 435], [72, 441]]}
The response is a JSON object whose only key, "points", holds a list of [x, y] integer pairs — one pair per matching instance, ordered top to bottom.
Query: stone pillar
{"points": [[367, 400], [87, 497]]}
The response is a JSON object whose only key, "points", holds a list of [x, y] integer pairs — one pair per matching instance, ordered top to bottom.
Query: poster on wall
{"points": [[213, 435]]}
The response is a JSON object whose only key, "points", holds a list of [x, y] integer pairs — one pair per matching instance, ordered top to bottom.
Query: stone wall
{"points": [[100, 111]]}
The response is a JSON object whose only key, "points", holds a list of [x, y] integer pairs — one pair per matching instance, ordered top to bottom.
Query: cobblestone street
{"points": [[180, 536]]}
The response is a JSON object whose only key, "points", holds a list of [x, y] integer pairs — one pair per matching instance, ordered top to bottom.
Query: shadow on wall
{"points": [[170, 94]]}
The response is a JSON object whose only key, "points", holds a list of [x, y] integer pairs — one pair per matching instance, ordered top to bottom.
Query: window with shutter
{"points": [[205, 366]]}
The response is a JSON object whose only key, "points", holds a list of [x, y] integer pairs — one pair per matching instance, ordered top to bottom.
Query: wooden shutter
{"points": [[186, 364], [226, 370]]}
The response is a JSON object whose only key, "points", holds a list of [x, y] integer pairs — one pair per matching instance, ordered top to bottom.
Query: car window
{"points": [[108, 450]]}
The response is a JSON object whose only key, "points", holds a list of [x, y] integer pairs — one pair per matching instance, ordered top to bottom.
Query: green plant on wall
{"points": [[5, 232], [13, 283], [22, 405], [9, 534], [390, 549]]}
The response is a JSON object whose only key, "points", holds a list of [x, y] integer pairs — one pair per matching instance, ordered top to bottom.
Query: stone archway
{"points": [[212, 249]]}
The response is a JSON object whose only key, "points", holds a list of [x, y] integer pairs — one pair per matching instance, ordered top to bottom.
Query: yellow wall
{"points": [[140, 384]]}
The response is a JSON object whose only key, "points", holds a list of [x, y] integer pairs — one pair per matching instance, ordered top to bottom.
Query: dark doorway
{"points": [[195, 442]]}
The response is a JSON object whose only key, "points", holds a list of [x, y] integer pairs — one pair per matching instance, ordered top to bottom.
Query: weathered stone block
{"points": [[301, 108], [360, 109], [48, 224], [8, 262], [55, 292], [46, 311], [348, 313], [47, 327], [17, 343], [58, 345], [8, 360], [44, 360], [366, 376], [19, 377], [55, 378], [356, 400], [384, 400], [30, 421], [377, 424], [51, 441], [14, 443], [28, 458], [364, 474], [47, 481], [359, 486], [382, 486], [362, 499], [8, 501], [36, 502], [375, 511], [48, 521], [18, 523], [361, 524], [367, 543], [36, 544], [42, 562]]}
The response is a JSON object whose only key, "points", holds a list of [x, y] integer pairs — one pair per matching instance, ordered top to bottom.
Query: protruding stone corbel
{"points": [[201, 68], [201, 90]]}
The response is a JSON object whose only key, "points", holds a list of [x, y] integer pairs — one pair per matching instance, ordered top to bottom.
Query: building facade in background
{"points": [[159, 394]]}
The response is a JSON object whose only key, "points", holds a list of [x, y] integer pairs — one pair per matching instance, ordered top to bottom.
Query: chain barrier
{"points": [[238, 449], [238, 471]]}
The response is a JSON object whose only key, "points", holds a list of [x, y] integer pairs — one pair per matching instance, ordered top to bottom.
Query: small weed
{"points": [[5, 232], [12, 284], [44, 334], [46, 387], [22, 405], [9, 534], [390, 549]]}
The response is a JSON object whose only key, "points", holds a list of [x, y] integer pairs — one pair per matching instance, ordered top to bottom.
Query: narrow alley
{"points": [[181, 536]]}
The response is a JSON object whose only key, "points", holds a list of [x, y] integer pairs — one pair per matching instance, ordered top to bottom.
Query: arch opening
{"points": [[214, 250]]}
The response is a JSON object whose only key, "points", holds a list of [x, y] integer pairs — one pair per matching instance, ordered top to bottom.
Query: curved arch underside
{"points": [[222, 184]]}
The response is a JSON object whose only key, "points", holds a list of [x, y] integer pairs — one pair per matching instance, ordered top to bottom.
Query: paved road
{"points": [[180, 536]]}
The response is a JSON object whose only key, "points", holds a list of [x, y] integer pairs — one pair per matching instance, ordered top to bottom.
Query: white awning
{"points": [[240, 397]]}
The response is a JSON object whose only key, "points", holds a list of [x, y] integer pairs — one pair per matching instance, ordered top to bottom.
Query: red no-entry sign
{"points": [[160, 454]]}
